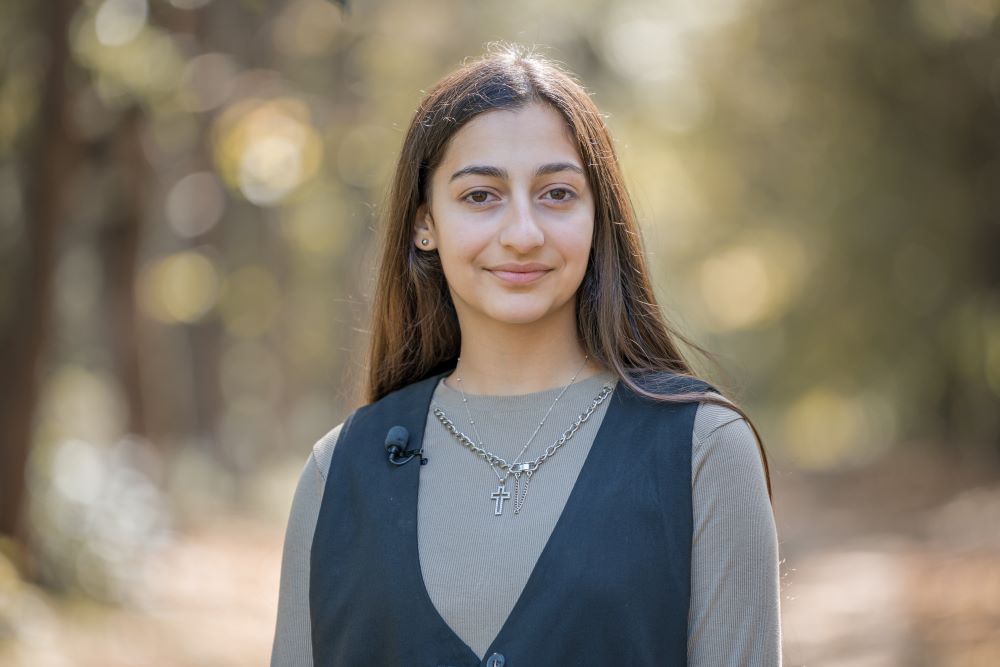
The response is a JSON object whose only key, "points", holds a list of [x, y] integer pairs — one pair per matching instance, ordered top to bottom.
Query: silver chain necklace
{"points": [[472, 423], [503, 469]]}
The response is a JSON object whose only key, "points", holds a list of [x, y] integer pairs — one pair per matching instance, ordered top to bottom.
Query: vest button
{"points": [[496, 660]]}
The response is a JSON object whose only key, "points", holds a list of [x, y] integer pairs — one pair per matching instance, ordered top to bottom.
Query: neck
{"points": [[520, 359]]}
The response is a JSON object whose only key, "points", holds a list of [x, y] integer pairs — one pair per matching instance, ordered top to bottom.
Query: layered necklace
{"points": [[517, 468]]}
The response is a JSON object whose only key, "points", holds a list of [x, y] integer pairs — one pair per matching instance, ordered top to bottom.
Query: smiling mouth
{"points": [[519, 277]]}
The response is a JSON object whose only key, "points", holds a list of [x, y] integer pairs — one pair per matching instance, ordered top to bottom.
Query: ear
{"points": [[423, 228]]}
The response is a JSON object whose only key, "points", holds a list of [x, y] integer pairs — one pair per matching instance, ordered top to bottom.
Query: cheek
{"points": [[576, 247], [460, 252], [451, 263]]}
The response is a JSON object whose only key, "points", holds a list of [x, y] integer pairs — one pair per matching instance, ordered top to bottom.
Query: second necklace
{"points": [[501, 467]]}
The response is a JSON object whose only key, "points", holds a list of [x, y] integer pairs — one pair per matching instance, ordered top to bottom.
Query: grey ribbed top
{"points": [[474, 563]]}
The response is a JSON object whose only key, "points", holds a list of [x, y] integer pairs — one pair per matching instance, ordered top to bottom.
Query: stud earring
{"points": [[424, 241]]}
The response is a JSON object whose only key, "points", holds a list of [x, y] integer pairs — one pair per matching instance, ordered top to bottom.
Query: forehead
{"points": [[527, 136]]}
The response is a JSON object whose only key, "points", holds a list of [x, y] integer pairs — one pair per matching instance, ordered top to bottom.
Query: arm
{"points": [[734, 618], [293, 631]]}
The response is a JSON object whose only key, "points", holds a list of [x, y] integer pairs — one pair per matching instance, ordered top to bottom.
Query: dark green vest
{"points": [[611, 586]]}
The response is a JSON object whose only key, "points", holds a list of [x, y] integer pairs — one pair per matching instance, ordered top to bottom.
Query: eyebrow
{"points": [[500, 172]]}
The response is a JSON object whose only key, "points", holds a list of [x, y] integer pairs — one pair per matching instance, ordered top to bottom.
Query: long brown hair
{"points": [[414, 327]]}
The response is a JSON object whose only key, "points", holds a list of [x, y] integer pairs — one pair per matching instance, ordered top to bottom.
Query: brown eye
{"points": [[563, 194], [477, 197]]}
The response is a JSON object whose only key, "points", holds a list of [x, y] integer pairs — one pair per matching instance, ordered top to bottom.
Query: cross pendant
{"points": [[499, 496]]}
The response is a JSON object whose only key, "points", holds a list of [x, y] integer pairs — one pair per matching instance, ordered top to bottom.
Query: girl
{"points": [[516, 344]]}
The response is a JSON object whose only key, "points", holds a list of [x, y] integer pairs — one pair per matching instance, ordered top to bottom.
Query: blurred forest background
{"points": [[189, 192]]}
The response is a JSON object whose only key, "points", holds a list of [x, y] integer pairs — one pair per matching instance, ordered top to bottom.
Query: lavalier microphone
{"points": [[395, 445]]}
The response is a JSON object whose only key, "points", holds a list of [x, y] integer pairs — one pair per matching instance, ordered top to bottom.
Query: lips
{"points": [[519, 274]]}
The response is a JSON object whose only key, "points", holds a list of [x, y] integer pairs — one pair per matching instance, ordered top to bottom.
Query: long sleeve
{"points": [[734, 618], [293, 630]]}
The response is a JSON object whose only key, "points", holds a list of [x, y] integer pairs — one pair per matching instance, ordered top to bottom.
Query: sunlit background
{"points": [[189, 194]]}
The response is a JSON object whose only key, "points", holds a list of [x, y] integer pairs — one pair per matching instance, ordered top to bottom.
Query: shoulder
{"points": [[669, 383], [417, 387], [711, 417], [724, 448], [322, 451]]}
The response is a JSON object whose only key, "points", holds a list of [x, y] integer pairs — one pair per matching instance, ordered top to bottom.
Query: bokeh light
{"points": [[118, 22], [267, 148], [195, 203], [179, 288], [826, 429]]}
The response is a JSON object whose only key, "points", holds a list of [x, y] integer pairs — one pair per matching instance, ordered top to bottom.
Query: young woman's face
{"points": [[511, 216]]}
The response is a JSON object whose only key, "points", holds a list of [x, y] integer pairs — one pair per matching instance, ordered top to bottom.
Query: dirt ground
{"points": [[894, 565]]}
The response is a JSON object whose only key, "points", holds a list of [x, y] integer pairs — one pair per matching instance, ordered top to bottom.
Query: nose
{"points": [[520, 230]]}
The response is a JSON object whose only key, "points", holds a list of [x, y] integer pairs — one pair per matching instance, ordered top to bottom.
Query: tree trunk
{"points": [[119, 244], [23, 342]]}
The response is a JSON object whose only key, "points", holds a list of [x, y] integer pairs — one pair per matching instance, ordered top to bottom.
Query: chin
{"points": [[519, 315], [515, 318]]}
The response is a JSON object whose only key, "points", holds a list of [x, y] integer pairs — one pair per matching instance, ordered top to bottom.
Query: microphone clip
{"points": [[395, 445], [399, 457]]}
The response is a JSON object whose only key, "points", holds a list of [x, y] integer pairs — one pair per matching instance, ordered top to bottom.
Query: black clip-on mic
{"points": [[395, 444]]}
